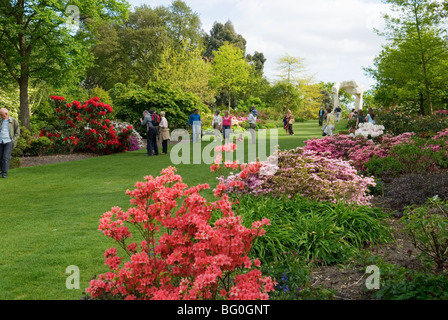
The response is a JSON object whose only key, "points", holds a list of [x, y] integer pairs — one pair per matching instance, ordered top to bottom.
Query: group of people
{"points": [[329, 117], [360, 118], [288, 121], [223, 124], [156, 126], [9, 135]]}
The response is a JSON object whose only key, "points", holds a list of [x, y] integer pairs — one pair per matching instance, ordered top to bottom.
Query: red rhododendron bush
{"points": [[85, 127], [181, 255]]}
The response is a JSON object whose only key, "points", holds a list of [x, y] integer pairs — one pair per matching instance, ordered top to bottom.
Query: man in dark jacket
{"points": [[9, 134], [151, 145]]}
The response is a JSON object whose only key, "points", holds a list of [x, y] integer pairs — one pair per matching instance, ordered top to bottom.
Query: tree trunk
{"points": [[424, 62], [24, 103]]}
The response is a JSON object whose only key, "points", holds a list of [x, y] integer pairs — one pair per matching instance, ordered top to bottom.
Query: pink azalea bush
{"points": [[358, 150], [300, 172], [182, 255]]}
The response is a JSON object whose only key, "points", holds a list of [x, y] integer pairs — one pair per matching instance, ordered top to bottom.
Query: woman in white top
{"points": [[217, 124], [164, 132]]}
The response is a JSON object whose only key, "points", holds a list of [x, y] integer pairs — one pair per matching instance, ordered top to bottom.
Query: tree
{"points": [[221, 34], [36, 42], [132, 51], [258, 60], [412, 67], [291, 68], [186, 70], [231, 72], [284, 96], [312, 98]]}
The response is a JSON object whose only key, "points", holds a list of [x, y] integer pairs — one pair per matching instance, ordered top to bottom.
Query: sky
{"points": [[335, 38]]}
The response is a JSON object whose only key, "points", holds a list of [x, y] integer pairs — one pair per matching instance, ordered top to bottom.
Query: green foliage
{"points": [[219, 35], [131, 51], [412, 67], [230, 73], [283, 96], [131, 100], [397, 122], [22, 143], [39, 146], [417, 156], [427, 226], [319, 231], [293, 279], [398, 283]]}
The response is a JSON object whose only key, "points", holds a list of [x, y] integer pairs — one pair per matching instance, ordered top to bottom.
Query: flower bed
{"points": [[192, 259]]}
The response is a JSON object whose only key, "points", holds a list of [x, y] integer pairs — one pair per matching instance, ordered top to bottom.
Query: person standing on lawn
{"points": [[321, 116], [290, 118], [252, 119], [195, 122], [330, 123], [217, 125], [226, 125], [164, 132], [9, 134], [151, 144]]}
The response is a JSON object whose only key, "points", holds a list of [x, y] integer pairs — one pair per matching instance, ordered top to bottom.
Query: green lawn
{"points": [[49, 215]]}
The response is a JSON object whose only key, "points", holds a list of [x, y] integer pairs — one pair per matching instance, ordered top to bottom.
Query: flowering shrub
{"points": [[84, 127], [369, 130], [136, 139], [358, 150], [300, 172], [192, 259]]}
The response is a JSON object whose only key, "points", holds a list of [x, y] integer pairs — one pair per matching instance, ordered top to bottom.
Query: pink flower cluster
{"points": [[357, 150], [300, 172], [192, 259]]}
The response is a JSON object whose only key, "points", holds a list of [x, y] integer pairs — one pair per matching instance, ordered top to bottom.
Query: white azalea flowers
{"points": [[369, 130]]}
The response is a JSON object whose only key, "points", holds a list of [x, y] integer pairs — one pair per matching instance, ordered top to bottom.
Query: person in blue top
{"points": [[370, 116], [195, 122]]}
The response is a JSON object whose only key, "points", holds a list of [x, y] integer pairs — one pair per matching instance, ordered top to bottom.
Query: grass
{"points": [[49, 215]]}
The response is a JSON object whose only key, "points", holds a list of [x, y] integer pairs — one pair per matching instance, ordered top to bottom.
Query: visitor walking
{"points": [[338, 111], [321, 116], [290, 118], [252, 119], [195, 122], [285, 123], [217, 124], [226, 125], [329, 127], [151, 130], [164, 132], [9, 134]]}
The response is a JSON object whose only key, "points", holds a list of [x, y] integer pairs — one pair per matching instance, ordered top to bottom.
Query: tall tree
{"points": [[219, 35], [36, 42], [132, 51], [412, 67], [290, 68], [186, 70], [231, 72], [284, 96]]}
